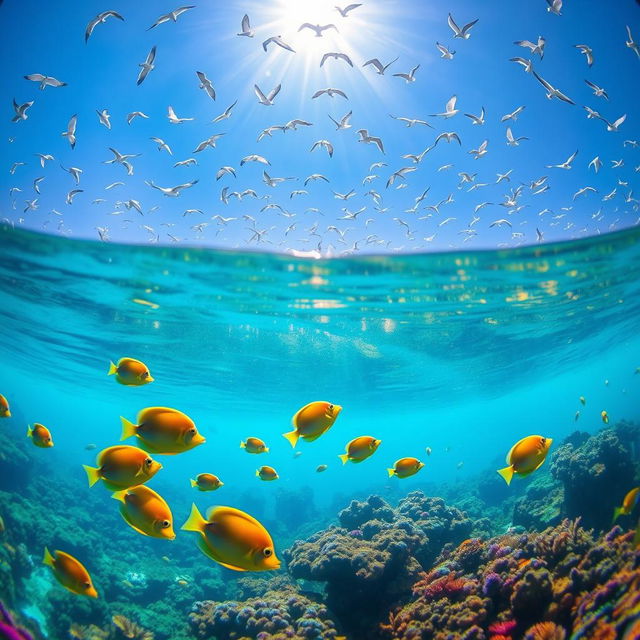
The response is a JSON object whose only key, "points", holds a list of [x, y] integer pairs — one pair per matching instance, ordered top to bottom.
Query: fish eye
{"points": [[144, 375], [330, 407], [543, 440], [148, 461], [166, 524], [267, 553], [87, 585]]}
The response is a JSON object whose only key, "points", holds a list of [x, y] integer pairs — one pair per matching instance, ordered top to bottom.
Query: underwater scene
{"points": [[320, 322]]}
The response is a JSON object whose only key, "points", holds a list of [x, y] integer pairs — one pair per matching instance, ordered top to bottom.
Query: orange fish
{"points": [[130, 372], [4, 407], [312, 421], [163, 430], [40, 436], [254, 445], [360, 449], [525, 457], [122, 467], [405, 467], [267, 473], [207, 482], [629, 502], [146, 511], [234, 539], [70, 573]]}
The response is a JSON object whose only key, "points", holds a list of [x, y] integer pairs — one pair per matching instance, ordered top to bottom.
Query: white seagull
{"points": [[555, 6], [347, 9], [172, 15], [100, 18], [246, 28], [318, 29], [457, 31], [279, 41], [631, 44], [535, 48], [587, 51], [446, 53], [336, 56], [147, 65], [378, 66], [408, 77], [45, 81], [205, 84], [330, 92], [552, 92], [268, 99], [450, 109], [21, 110], [226, 113], [136, 114], [513, 115], [104, 117], [173, 118], [476, 119], [343, 123], [70, 133], [367, 139], [511, 141], [209, 142], [323, 143], [162, 145], [566, 164], [172, 192]]}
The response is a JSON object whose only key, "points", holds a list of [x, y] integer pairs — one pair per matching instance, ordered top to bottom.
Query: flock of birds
{"points": [[354, 230]]}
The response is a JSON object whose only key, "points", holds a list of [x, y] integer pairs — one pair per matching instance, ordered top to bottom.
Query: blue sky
{"points": [[49, 39]]}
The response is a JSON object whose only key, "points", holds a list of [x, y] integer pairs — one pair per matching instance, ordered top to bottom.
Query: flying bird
{"points": [[555, 6], [347, 9], [172, 15], [100, 18], [246, 28], [318, 29], [460, 33], [279, 41], [631, 44], [536, 48], [587, 51], [445, 52], [336, 56], [526, 64], [147, 65], [378, 66], [408, 77], [45, 81], [205, 84], [330, 92], [552, 92], [268, 99], [450, 109], [21, 111], [226, 113], [136, 114], [513, 115], [104, 118], [173, 118], [476, 119], [410, 122], [70, 133], [367, 139], [511, 141], [209, 142], [323, 143], [162, 145], [564, 165], [172, 192]]}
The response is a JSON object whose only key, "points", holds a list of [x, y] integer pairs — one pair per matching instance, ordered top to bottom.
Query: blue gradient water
{"points": [[461, 352]]}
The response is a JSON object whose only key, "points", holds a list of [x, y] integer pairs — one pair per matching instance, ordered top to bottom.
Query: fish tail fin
{"points": [[112, 368], [7, 414], [128, 429], [29, 431], [292, 437], [243, 445], [344, 457], [391, 472], [257, 473], [93, 474], [507, 474], [193, 482], [119, 495], [616, 512], [195, 521], [48, 558]]}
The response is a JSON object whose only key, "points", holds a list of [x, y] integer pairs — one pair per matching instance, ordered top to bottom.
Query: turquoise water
{"points": [[460, 350], [464, 353]]}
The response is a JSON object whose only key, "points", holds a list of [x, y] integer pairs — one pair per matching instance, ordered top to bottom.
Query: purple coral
{"points": [[9, 629]]}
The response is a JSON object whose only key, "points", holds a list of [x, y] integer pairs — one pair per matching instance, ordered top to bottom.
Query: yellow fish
{"points": [[130, 372], [582, 400], [4, 407], [605, 417], [312, 421], [163, 430], [40, 436], [254, 445], [360, 449], [525, 457], [122, 467], [405, 467], [321, 468], [267, 473], [206, 482], [629, 502], [146, 511], [234, 539], [70, 573]]}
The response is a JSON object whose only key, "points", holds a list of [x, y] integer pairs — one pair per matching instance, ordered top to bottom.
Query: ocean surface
{"points": [[461, 352]]}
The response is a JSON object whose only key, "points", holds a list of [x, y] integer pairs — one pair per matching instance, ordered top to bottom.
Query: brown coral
{"points": [[545, 631]]}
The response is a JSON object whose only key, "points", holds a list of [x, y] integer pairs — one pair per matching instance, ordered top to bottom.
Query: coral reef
{"points": [[596, 474], [541, 505], [371, 562], [536, 586], [277, 615], [9, 629]]}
